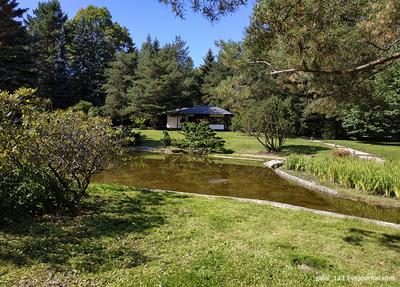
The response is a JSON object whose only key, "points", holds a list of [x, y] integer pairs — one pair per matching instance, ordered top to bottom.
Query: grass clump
{"points": [[349, 172]]}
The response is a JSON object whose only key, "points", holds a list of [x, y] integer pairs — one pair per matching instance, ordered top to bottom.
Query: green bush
{"points": [[129, 137], [199, 138], [166, 140], [47, 159], [350, 172]]}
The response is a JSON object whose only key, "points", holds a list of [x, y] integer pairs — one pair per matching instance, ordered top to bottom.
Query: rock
{"points": [[275, 163]]}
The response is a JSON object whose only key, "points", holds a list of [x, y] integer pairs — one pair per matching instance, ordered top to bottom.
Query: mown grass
{"points": [[240, 143], [387, 150], [368, 176], [125, 237]]}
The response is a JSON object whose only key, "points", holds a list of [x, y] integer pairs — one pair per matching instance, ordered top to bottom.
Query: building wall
{"points": [[174, 122]]}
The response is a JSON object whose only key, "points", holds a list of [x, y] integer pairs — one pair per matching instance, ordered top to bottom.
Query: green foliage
{"points": [[47, 28], [94, 39], [16, 63], [120, 77], [164, 80], [270, 122], [129, 137], [199, 138], [166, 140], [47, 159], [350, 172]]}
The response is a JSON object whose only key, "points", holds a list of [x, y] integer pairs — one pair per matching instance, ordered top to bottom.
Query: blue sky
{"points": [[143, 17]]}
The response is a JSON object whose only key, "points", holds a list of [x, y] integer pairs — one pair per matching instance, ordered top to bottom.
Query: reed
{"points": [[368, 176]]}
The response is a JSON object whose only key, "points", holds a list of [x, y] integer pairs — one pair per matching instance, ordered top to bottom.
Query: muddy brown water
{"points": [[205, 176]]}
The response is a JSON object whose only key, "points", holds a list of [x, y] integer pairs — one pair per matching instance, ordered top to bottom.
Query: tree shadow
{"points": [[151, 142], [302, 149], [358, 236], [101, 237]]}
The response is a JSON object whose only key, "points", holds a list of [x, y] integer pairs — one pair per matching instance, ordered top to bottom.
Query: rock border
{"points": [[276, 164]]}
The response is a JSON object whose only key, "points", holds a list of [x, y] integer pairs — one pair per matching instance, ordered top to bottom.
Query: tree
{"points": [[212, 9], [46, 27], [94, 40], [335, 41], [16, 62], [120, 76], [163, 82], [270, 122]]}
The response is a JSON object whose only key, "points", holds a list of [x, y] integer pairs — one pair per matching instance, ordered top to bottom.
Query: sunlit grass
{"points": [[125, 237]]}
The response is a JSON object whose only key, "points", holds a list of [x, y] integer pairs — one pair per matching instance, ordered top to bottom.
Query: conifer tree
{"points": [[16, 62]]}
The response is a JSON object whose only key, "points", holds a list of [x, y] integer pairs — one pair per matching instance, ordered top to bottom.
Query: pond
{"points": [[206, 176]]}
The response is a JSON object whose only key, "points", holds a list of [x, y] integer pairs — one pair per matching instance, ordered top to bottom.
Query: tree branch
{"points": [[357, 69]]}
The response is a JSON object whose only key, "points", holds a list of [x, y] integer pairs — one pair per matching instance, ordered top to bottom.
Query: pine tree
{"points": [[46, 26], [16, 61], [209, 62], [120, 77], [164, 80]]}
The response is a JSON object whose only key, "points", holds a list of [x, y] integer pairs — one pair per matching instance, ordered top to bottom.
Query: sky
{"points": [[143, 17]]}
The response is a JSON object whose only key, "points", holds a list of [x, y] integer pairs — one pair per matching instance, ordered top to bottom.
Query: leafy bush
{"points": [[129, 137], [199, 138], [166, 140], [47, 159], [350, 172]]}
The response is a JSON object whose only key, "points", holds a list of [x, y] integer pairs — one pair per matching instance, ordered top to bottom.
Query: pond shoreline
{"points": [[282, 205]]}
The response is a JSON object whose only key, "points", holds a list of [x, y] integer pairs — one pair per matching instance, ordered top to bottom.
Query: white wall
{"points": [[173, 122], [217, 127]]}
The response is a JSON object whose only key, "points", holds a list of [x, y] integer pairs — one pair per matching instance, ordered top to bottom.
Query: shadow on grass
{"points": [[151, 143], [302, 149], [358, 236], [102, 237]]}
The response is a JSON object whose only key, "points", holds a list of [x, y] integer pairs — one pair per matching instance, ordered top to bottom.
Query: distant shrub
{"points": [[129, 137], [199, 138], [166, 140], [340, 152], [350, 172]]}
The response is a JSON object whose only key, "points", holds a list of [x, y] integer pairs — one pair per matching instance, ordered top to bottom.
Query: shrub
{"points": [[129, 137], [199, 138], [166, 140], [341, 152], [47, 159], [350, 172]]}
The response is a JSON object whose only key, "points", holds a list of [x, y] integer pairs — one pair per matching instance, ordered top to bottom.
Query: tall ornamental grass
{"points": [[369, 176]]}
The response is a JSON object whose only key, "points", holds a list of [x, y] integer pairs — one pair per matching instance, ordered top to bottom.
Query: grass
{"points": [[241, 143], [387, 150], [368, 176], [125, 237]]}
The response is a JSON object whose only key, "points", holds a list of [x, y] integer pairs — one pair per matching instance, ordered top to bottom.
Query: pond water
{"points": [[205, 176]]}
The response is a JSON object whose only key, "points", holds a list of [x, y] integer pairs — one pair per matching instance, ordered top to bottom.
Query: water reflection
{"points": [[205, 176]]}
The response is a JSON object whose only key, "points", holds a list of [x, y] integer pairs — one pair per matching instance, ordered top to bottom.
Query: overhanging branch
{"points": [[355, 70]]}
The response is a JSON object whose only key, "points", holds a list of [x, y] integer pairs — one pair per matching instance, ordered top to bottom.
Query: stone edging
{"points": [[306, 183], [284, 206]]}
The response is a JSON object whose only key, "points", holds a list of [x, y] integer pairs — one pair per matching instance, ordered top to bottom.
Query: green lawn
{"points": [[241, 143], [387, 150], [124, 237]]}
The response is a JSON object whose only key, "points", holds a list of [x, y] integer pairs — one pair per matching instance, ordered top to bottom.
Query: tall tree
{"points": [[46, 26], [94, 40], [16, 62], [120, 76], [164, 79]]}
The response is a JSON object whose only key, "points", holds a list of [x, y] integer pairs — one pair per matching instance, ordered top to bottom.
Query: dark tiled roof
{"points": [[201, 110]]}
